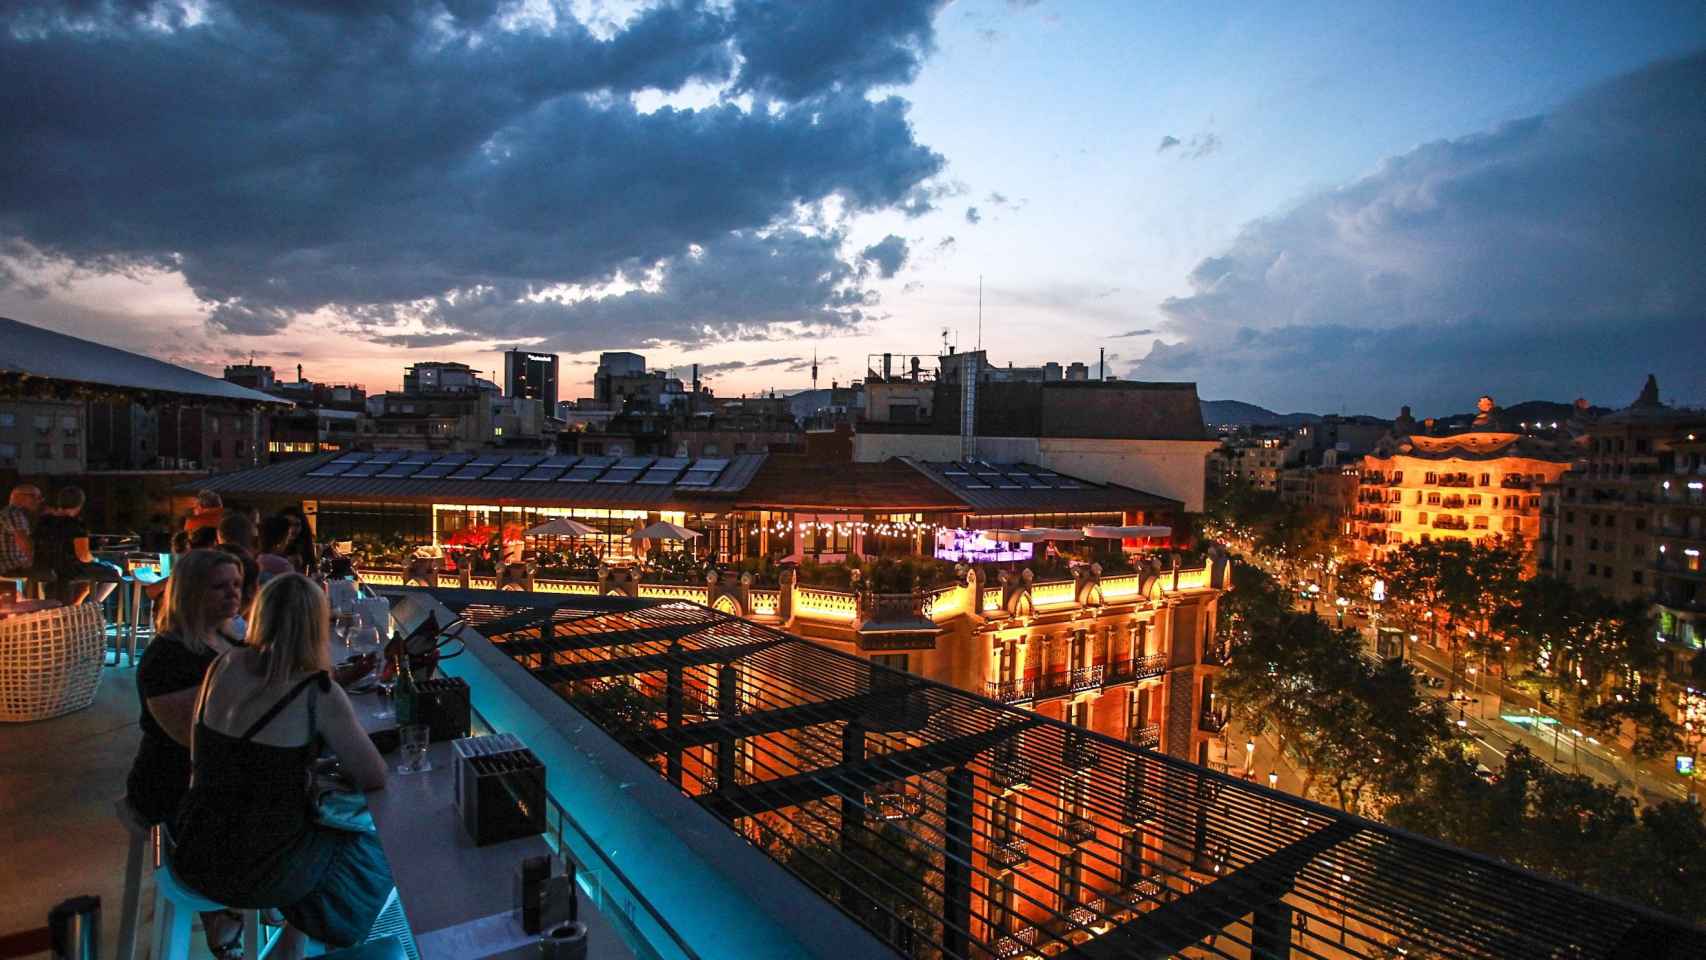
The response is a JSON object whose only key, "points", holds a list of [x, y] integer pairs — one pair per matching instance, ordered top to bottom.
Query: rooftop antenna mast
{"points": [[980, 311]]}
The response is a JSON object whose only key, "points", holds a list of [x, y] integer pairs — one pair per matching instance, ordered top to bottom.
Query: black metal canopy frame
{"points": [[953, 826]]}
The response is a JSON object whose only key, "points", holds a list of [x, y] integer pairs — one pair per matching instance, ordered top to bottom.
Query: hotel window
{"points": [[8, 420], [43, 422], [68, 423], [44, 451], [70, 451], [8, 454], [1398, 476], [1431, 478], [1486, 479], [1433, 499], [1474, 500], [1534, 502], [1421, 518], [1593, 519], [1480, 523], [1569, 539], [1593, 543], [1569, 564], [1593, 568], [1635, 577], [1079, 652], [894, 661], [1137, 708], [1078, 714], [1004, 818], [1072, 879], [1003, 907]]}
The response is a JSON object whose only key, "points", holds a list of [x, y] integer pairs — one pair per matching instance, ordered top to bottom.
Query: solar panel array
{"points": [[527, 467], [978, 475]]}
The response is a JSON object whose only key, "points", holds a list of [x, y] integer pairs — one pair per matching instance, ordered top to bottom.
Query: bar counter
{"points": [[458, 898]]}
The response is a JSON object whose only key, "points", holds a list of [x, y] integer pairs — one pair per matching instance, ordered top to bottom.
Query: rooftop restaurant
{"points": [[750, 512]]}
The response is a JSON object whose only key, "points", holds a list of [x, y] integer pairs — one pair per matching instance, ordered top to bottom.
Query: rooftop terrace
{"points": [[947, 824]]}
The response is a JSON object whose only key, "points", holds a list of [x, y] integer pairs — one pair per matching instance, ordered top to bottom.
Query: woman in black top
{"points": [[203, 596], [245, 834]]}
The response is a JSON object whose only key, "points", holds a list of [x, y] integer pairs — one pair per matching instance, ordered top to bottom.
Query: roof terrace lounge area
{"points": [[730, 790]]}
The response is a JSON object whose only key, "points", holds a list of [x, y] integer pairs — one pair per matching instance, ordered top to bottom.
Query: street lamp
{"points": [[1341, 603], [1249, 756]]}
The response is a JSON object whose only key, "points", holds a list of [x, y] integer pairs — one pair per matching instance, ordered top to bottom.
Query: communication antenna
{"points": [[980, 311], [944, 341]]}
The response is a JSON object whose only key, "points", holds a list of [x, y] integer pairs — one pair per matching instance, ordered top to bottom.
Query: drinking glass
{"points": [[414, 739]]}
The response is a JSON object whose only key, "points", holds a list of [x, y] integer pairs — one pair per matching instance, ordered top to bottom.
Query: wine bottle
{"points": [[405, 694]]}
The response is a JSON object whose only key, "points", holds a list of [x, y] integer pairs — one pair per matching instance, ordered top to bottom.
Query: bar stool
{"points": [[174, 904], [174, 908]]}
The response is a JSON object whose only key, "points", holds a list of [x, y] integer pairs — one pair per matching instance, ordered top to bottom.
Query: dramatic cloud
{"points": [[799, 50], [1167, 143], [456, 163], [972, 216], [889, 254], [1552, 256], [738, 286], [1132, 333], [788, 364]]}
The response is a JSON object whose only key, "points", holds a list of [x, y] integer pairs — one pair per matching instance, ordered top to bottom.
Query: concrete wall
{"points": [[1170, 468]]}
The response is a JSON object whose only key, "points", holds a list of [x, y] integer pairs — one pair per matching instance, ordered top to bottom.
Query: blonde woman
{"points": [[193, 629], [245, 834]]}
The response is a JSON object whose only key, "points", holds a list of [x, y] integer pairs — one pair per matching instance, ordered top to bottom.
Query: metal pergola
{"points": [[954, 826]]}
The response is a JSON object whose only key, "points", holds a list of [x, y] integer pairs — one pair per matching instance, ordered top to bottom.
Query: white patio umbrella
{"points": [[562, 527], [664, 530], [1054, 533], [1123, 533], [1032, 535]]}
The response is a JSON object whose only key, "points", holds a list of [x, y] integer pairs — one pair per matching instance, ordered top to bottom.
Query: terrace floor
{"points": [[58, 780]]}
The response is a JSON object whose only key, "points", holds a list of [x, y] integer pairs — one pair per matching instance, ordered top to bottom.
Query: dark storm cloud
{"points": [[795, 50], [373, 157], [889, 254], [1553, 256], [738, 286]]}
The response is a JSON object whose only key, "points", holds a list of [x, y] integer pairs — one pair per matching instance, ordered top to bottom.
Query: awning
{"points": [[1126, 533], [1014, 536]]}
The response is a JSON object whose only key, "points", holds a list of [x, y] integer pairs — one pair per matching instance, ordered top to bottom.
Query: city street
{"points": [[1497, 720]]}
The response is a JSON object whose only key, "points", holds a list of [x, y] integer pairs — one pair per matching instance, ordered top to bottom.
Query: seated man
{"points": [[62, 545], [17, 557]]}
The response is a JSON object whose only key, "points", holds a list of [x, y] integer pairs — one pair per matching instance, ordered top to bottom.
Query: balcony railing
{"points": [[1458, 480], [1450, 523], [1217, 653], [1141, 668], [1011, 691], [1214, 720], [1144, 737], [1078, 753], [1079, 830], [1009, 852]]}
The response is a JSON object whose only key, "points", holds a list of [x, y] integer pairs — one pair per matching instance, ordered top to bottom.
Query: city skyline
{"points": [[1230, 199]]}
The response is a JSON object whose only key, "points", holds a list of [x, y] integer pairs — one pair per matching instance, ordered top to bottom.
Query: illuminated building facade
{"points": [[1482, 482]]}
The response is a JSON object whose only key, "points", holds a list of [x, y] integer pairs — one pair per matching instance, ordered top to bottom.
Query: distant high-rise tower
{"points": [[814, 369], [532, 376]]}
